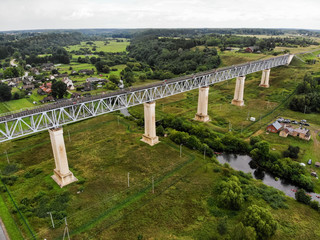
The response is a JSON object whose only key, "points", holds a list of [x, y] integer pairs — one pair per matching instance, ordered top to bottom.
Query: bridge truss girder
{"points": [[32, 122]]}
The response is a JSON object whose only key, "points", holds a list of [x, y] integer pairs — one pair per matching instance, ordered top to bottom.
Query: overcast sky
{"points": [[61, 14]]}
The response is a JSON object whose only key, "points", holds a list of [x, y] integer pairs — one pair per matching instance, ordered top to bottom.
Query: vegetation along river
{"points": [[245, 164]]}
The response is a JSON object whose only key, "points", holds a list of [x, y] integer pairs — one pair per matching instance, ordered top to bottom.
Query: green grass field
{"points": [[113, 46], [101, 152]]}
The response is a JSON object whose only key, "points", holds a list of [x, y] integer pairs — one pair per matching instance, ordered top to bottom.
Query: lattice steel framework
{"points": [[61, 113]]}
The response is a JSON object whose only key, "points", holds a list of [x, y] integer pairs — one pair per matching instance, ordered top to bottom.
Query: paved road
{"points": [[3, 233]]}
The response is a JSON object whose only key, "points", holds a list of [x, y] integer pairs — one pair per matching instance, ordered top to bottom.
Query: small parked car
{"points": [[306, 124], [309, 161]]}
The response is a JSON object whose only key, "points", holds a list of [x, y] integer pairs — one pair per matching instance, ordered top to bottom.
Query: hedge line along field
{"points": [[101, 152]]}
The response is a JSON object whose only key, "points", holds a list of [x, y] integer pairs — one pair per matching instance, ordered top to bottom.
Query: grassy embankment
{"points": [[100, 154]]}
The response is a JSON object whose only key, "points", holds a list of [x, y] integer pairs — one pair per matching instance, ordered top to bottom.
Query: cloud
{"points": [[44, 14]]}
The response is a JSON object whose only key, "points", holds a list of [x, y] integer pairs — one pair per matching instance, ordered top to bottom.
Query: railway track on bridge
{"points": [[54, 115]]}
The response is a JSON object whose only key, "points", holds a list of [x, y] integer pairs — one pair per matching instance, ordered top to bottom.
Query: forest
{"points": [[307, 99]]}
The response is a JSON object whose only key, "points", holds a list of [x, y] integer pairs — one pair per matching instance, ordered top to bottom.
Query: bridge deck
{"points": [[53, 115]]}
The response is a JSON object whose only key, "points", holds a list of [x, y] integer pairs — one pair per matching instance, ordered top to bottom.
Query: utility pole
{"points": [[305, 108], [180, 149], [7, 157], [128, 179], [152, 185], [51, 219], [66, 230]]}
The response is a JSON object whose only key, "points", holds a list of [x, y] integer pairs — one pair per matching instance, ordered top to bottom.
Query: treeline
{"points": [[35, 44], [267, 44], [60, 55], [173, 55], [308, 95]]}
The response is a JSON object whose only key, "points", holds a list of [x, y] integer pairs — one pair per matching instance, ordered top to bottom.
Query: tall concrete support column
{"points": [[290, 59], [265, 78], [238, 92], [202, 112], [149, 135], [62, 175]]}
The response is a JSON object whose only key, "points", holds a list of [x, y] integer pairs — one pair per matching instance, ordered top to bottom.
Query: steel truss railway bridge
{"points": [[53, 116]]}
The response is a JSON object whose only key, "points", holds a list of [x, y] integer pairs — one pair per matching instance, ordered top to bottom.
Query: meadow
{"points": [[101, 152]]}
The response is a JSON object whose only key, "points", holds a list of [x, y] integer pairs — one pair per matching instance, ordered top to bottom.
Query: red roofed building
{"points": [[45, 88]]}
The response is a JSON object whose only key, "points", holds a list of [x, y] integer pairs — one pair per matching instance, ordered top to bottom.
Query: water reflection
{"points": [[245, 164]]}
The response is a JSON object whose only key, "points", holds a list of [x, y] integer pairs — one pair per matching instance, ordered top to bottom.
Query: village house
{"points": [[252, 49], [47, 66], [35, 71], [86, 71], [28, 79], [94, 79], [68, 82], [87, 86], [28, 87], [45, 89], [75, 95], [47, 99], [274, 127], [300, 132]]}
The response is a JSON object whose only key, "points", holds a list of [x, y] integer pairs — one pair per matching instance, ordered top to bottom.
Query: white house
{"points": [[69, 83]]}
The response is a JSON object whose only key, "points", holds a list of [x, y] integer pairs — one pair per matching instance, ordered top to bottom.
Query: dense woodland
{"points": [[307, 99]]}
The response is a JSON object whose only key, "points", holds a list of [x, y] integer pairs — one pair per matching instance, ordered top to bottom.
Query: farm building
{"points": [[251, 49], [274, 127], [300, 132]]}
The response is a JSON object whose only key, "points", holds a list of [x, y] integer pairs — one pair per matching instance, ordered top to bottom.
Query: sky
{"points": [[75, 14]]}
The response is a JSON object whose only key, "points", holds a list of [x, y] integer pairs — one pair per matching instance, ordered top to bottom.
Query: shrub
{"points": [[301, 196], [315, 205], [222, 226]]}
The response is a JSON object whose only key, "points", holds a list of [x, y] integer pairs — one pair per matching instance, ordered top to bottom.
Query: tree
{"points": [[102, 66], [12, 72], [143, 77], [114, 78], [59, 89], [5, 92], [16, 96], [160, 130], [230, 193], [301, 196], [315, 205], [261, 220], [222, 226], [240, 232]]}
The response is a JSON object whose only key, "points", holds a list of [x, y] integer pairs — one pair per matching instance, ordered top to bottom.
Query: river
{"points": [[245, 164]]}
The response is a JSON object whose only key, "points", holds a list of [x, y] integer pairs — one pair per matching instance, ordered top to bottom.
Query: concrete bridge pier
{"points": [[290, 59], [265, 78], [238, 92], [202, 111], [149, 135], [62, 175]]}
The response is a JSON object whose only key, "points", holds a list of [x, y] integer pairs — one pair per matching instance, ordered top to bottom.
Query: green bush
{"points": [[301, 196], [315, 205]]}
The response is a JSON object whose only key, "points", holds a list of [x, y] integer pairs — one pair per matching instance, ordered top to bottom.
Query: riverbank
{"points": [[242, 163]]}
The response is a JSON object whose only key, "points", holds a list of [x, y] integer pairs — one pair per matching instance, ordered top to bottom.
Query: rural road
{"points": [[3, 232]]}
